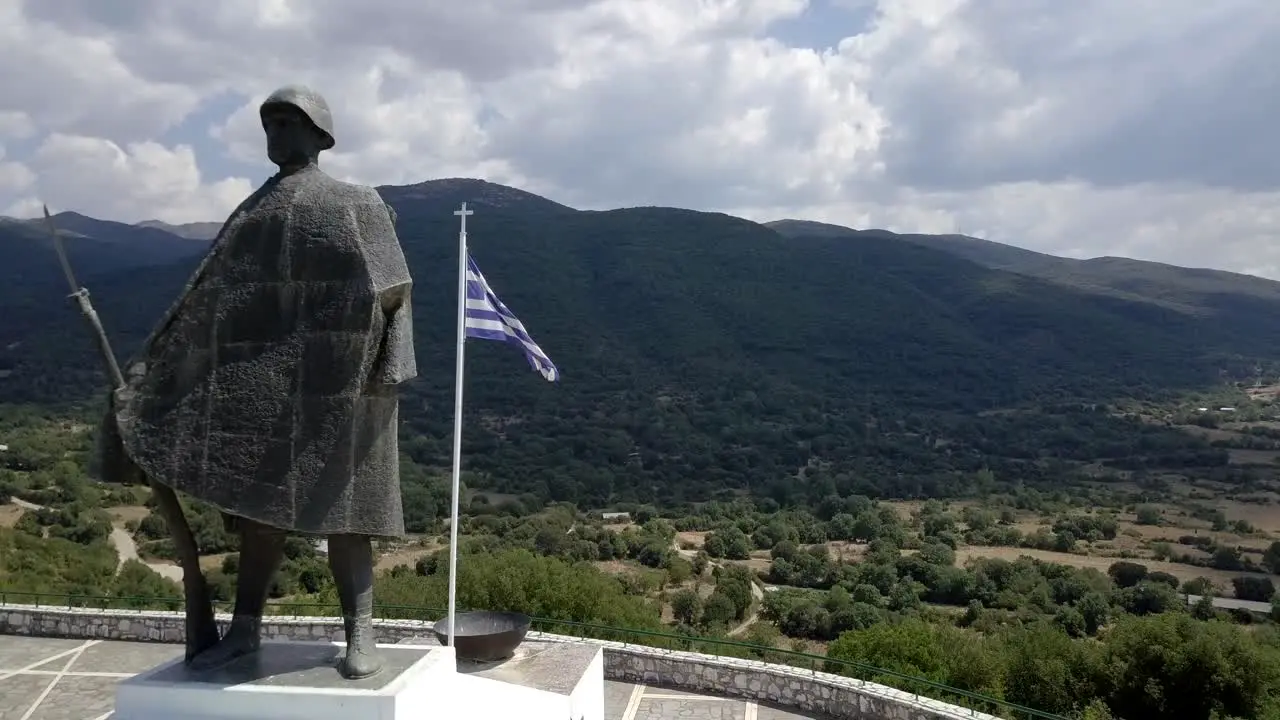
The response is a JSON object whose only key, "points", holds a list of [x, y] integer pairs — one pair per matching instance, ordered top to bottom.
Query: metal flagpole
{"points": [[457, 420]]}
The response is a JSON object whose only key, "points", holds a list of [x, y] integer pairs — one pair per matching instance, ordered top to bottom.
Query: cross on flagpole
{"points": [[462, 214], [483, 316]]}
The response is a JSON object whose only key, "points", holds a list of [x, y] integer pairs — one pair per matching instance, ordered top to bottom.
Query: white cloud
{"points": [[63, 80], [1041, 90], [16, 125], [1093, 127], [419, 132], [15, 178], [140, 181], [1191, 225]]}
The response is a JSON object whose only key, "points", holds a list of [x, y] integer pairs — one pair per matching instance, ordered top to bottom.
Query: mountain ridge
{"points": [[474, 192], [483, 193], [188, 231], [1166, 284], [1191, 291], [701, 345]]}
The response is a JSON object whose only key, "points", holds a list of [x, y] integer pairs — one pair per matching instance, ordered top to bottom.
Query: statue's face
{"points": [[291, 138]]}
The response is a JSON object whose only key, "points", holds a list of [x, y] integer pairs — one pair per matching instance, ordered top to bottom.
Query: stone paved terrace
{"points": [[60, 679], [707, 680]]}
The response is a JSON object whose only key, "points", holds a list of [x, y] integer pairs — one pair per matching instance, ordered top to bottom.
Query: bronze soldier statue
{"points": [[269, 389]]}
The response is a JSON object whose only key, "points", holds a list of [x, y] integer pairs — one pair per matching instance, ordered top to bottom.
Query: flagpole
{"points": [[457, 421]]}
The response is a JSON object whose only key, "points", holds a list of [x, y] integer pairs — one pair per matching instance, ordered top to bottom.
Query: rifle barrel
{"points": [[62, 252], [81, 296], [202, 632]]}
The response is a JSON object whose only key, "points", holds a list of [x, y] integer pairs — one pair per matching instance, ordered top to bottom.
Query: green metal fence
{"points": [[920, 687]]}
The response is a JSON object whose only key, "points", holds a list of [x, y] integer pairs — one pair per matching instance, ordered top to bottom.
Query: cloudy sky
{"points": [[1144, 128]]}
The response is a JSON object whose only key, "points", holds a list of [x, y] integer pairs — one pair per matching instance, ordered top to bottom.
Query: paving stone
{"points": [[17, 653], [125, 657], [659, 690], [18, 693], [616, 697], [78, 698], [692, 709], [764, 712]]}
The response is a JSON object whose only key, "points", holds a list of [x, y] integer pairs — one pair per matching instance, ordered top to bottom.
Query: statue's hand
{"points": [[136, 370], [115, 465]]}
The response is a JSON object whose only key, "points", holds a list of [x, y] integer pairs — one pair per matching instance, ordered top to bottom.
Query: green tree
{"points": [[1147, 515], [729, 542], [1271, 557], [1226, 558], [700, 562], [1127, 574], [521, 581], [1250, 587], [1148, 598], [686, 606], [718, 611], [1095, 611], [1071, 621], [914, 647], [1171, 666], [1047, 670]]}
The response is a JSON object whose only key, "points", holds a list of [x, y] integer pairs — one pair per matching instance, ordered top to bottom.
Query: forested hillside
{"points": [[705, 354]]}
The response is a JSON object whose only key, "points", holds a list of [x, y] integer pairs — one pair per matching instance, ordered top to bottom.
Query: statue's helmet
{"points": [[309, 103]]}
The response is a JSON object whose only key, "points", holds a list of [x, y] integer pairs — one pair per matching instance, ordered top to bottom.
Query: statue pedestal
{"points": [[294, 681], [421, 681], [542, 681]]}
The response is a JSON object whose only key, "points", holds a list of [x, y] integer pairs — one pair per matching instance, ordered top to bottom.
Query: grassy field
{"points": [[124, 513], [9, 515], [1263, 517], [691, 540], [1133, 542], [1138, 542], [847, 551], [408, 554], [212, 562], [1221, 578]]}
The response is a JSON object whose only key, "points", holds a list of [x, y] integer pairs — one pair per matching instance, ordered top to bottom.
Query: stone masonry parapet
{"points": [[825, 694]]}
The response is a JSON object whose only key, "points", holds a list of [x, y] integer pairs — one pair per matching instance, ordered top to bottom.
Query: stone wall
{"points": [[807, 691]]}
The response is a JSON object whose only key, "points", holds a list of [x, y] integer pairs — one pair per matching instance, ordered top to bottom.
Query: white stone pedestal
{"points": [[294, 681], [421, 681], [542, 681]]}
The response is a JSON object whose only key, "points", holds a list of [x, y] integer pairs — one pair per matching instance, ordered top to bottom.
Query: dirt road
{"points": [[126, 548], [757, 593], [757, 596]]}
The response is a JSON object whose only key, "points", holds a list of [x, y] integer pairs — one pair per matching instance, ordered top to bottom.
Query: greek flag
{"points": [[488, 319]]}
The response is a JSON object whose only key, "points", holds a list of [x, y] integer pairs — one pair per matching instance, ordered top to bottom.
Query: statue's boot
{"points": [[261, 550], [351, 559], [244, 637], [362, 658]]}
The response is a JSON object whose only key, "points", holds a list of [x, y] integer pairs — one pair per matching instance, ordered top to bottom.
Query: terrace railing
{"points": [[920, 687]]}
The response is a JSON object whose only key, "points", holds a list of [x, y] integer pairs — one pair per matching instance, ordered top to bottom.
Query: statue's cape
{"points": [[269, 388]]}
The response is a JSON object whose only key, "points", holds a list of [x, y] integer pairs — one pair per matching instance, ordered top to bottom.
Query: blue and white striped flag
{"points": [[488, 319]]}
